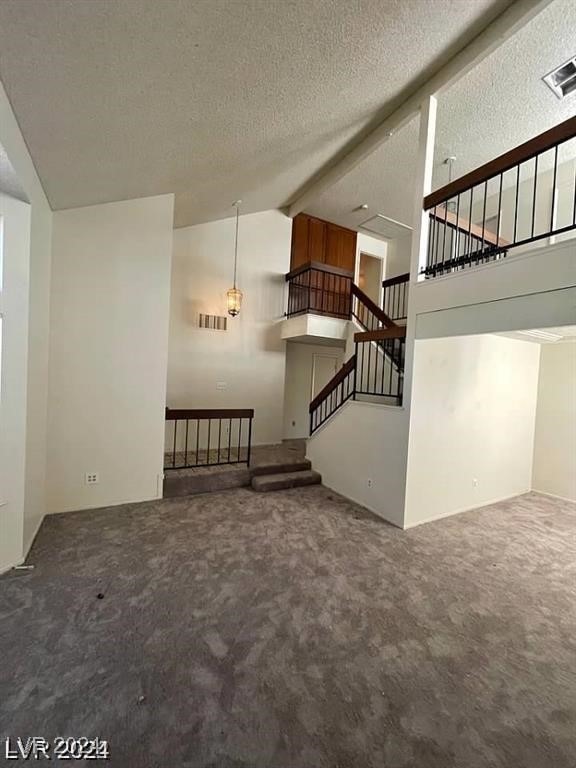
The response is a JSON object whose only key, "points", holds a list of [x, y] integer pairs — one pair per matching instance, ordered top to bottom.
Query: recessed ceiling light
{"points": [[562, 80]]}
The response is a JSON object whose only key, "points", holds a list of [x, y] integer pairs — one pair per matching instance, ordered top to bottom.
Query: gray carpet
{"points": [[294, 630]]}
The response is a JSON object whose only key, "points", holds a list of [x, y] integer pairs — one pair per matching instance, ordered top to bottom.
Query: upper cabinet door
{"points": [[316, 240], [340, 247], [299, 254]]}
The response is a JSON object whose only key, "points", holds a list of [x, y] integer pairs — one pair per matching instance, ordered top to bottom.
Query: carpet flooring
{"points": [[295, 630]]}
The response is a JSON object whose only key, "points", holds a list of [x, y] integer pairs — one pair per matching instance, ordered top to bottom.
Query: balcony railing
{"points": [[522, 197], [319, 288], [207, 437]]}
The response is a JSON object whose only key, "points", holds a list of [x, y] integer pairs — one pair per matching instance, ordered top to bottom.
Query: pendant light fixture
{"points": [[234, 294]]}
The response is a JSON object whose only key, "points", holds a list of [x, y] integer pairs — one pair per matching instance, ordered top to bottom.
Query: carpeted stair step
{"points": [[278, 469], [283, 480]]}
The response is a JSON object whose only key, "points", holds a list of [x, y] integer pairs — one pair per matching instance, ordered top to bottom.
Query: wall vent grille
{"points": [[562, 80], [212, 322]]}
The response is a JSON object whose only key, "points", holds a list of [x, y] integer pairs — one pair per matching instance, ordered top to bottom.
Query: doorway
{"points": [[370, 276], [324, 366]]}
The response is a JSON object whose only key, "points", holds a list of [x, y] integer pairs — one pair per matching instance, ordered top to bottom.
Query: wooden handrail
{"points": [[503, 163], [464, 225], [319, 266], [396, 280], [374, 308], [383, 334], [337, 379], [175, 414]]}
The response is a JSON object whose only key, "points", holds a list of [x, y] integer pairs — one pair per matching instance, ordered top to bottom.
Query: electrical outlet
{"points": [[221, 385], [91, 478], [475, 482], [370, 483]]}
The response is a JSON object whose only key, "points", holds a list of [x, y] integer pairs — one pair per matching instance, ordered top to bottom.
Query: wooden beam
{"points": [[407, 106]]}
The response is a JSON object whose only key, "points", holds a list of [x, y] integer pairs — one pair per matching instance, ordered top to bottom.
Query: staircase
{"points": [[272, 468]]}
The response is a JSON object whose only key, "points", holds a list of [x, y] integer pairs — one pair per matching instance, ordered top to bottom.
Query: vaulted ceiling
{"points": [[213, 100], [498, 105]]}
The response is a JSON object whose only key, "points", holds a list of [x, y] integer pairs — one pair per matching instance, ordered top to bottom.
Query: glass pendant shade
{"points": [[234, 300]]}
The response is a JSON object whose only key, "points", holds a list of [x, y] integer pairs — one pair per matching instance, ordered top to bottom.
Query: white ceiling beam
{"points": [[491, 37]]}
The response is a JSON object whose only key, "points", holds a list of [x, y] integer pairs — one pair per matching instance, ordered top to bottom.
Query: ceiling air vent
{"points": [[562, 80], [385, 227]]}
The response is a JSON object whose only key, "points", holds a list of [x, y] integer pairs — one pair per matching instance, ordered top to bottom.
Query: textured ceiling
{"points": [[213, 100], [498, 105], [9, 183]]}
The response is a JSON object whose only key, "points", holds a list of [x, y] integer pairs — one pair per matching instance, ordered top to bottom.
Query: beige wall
{"points": [[38, 266], [108, 352], [244, 366], [298, 384], [472, 424], [555, 441]]}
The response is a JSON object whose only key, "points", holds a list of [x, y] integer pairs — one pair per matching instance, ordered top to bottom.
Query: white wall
{"points": [[399, 253], [14, 292], [38, 321], [108, 352], [249, 358], [298, 385], [472, 418], [555, 441], [365, 442]]}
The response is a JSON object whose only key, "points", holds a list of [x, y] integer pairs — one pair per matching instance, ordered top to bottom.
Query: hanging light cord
{"points": [[236, 243]]}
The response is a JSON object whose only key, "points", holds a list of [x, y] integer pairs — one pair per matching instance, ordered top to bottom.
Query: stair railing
{"points": [[395, 297], [368, 314], [366, 373], [207, 437]]}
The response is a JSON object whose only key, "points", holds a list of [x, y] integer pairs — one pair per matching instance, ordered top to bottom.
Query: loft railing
{"points": [[521, 197], [319, 288], [395, 297], [371, 371], [207, 437]]}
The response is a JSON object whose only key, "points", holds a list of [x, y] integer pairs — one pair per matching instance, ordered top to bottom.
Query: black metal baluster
{"points": [[534, 194], [516, 202], [499, 211], [552, 212], [484, 218], [457, 252], [219, 437], [197, 438], [229, 438], [239, 440], [249, 441], [186, 446], [174, 449], [208, 449]]}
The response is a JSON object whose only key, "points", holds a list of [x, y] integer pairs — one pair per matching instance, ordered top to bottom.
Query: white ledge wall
{"points": [[109, 351], [361, 443]]}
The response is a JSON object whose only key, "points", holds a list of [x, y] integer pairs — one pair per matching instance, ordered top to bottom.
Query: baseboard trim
{"points": [[554, 496], [443, 515], [33, 537]]}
